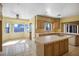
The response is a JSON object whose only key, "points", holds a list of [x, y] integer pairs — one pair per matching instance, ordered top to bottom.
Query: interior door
{"points": [[0, 35]]}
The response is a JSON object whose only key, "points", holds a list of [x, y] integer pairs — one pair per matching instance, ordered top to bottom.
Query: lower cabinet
{"points": [[74, 40], [77, 40], [66, 45], [63, 47], [56, 48], [48, 49]]}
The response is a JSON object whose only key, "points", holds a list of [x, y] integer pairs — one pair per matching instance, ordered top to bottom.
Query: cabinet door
{"points": [[40, 24], [56, 25], [0, 35], [77, 40], [66, 45], [62, 47], [56, 48], [39, 49], [48, 49]]}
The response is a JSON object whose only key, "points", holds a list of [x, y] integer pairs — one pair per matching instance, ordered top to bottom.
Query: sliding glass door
{"points": [[70, 28]]}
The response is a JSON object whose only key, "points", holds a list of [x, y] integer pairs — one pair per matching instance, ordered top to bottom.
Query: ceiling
{"points": [[28, 10]]}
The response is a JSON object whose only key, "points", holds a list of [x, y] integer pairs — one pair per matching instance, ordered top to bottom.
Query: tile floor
{"points": [[20, 48], [73, 51]]}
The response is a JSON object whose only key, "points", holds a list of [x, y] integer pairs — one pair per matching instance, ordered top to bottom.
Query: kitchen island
{"points": [[73, 40], [52, 45]]}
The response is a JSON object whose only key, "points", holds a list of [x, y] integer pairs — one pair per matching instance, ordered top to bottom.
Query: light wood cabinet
{"points": [[41, 20], [40, 24], [56, 24], [74, 40], [77, 40], [66, 45], [62, 47], [56, 48], [40, 49], [48, 49]]}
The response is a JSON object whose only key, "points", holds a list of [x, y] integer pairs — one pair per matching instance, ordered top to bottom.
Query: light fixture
{"points": [[17, 16], [59, 16]]}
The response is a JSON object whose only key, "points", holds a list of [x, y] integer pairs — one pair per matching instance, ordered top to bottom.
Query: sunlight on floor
{"points": [[10, 43], [19, 48]]}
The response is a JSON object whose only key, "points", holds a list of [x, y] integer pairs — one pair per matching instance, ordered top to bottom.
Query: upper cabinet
{"points": [[41, 22]]}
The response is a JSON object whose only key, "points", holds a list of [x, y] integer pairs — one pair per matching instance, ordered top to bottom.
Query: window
{"points": [[47, 26], [28, 27], [7, 28], [18, 28], [70, 28]]}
